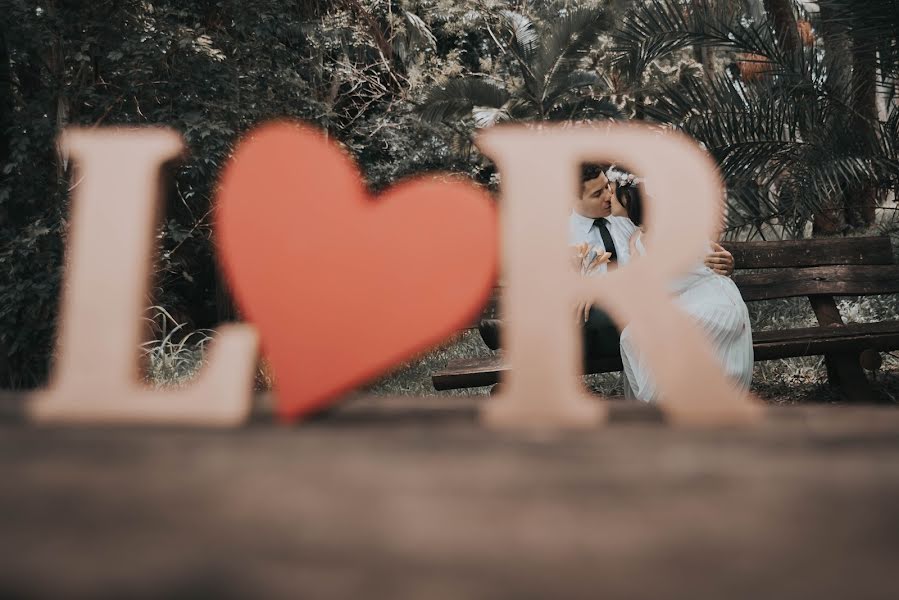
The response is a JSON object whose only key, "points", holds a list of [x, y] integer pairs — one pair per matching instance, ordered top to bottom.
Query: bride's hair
{"points": [[630, 196]]}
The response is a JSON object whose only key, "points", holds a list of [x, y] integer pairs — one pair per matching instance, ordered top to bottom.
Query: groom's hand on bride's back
{"points": [[720, 260]]}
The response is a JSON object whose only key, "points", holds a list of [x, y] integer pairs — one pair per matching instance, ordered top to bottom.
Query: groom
{"points": [[592, 222]]}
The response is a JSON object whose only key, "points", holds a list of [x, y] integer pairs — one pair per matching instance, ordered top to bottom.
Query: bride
{"points": [[712, 300]]}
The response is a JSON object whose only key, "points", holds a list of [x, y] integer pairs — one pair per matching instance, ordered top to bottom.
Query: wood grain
{"points": [[811, 253], [785, 254], [831, 281], [767, 345], [843, 364], [476, 372], [409, 498]]}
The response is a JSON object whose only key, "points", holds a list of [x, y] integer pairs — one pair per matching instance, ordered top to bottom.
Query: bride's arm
{"points": [[632, 243]]}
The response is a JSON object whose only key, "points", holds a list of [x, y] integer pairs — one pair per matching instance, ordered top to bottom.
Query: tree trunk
{"points": [[310, 9], [756, 9], [781, 14], [837, 50], [838, 55], [703, 56], [55, 59], [852, 76], [6, 102], [6, 110], [861, 200]]}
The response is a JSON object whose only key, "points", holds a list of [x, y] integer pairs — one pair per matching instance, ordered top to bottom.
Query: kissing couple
{"points": [[605, 229]]}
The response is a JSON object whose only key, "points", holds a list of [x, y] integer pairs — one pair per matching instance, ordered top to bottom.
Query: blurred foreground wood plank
{"points": [[410, 498]]}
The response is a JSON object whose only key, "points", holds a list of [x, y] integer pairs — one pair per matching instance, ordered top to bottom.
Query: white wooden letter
{"points": [[539, 178], [95, 377]]}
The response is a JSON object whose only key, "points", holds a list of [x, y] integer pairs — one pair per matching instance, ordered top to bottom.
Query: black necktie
{"points": [[603, 227]]}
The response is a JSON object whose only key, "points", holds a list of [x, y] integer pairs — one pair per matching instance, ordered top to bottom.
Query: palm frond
{"points": [[653, 29], [418, 31], [523, 31], [414, 36], [523, 44], [564, 45], [571, 81], [458, 97], [520, 109], [585, 109], [488, 117], [787, 134], [890, 141]]}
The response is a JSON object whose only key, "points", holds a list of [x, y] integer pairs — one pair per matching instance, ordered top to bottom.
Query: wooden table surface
{"points": [[410, 498]]}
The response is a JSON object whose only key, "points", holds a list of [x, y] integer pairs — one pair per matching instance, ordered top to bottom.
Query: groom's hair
{"points": [[592, 171]]}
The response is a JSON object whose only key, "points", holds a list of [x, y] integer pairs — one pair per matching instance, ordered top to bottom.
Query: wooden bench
{"points": [[818, 269]]}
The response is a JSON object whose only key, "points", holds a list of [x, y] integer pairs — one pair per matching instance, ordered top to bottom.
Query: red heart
{"points": [[342, 286]]}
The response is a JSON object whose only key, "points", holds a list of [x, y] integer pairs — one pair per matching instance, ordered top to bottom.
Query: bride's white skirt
{"points": [[716, 306]]}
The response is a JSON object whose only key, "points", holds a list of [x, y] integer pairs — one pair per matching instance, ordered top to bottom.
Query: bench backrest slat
{"points": [[811, 253], [833, 266], [834, 281]]}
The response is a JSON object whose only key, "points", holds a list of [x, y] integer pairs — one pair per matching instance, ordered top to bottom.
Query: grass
{"points": [[174, 359], [803, 379], [778, 381], [785, 381]]}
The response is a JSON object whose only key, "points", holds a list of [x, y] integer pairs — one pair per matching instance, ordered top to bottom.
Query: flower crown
{"points": [[622, 178]]}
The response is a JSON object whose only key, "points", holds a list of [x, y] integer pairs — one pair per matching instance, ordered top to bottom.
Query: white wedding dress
{"points": [[715, 304]]}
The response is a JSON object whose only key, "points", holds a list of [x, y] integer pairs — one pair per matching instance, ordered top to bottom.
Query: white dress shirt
{"points": [[581, 229]]}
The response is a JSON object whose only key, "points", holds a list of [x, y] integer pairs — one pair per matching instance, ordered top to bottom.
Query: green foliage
{"points": [[210, 70], [540, 76], [402, 85], [790, 143]]}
